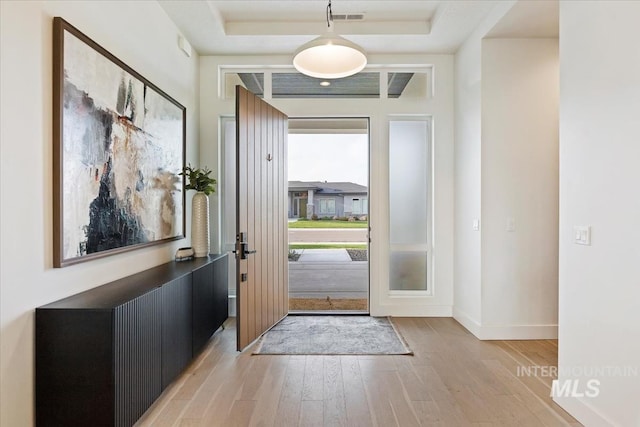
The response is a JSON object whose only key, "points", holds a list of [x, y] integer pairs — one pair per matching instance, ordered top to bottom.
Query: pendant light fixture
{"points": [[329, 56]]}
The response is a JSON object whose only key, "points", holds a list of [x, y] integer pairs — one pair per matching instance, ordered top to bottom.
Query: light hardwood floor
{"points": [[453, 379]]}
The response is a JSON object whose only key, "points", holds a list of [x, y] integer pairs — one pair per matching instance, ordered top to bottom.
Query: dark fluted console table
{"points": [[103, 356]]}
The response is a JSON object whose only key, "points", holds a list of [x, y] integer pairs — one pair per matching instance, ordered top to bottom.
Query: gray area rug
{"points": [[335, 335]]}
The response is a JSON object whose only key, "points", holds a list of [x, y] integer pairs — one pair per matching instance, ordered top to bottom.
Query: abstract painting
{"points": [[119, 146]]}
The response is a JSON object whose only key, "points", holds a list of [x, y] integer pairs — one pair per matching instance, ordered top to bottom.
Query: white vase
{"points": [[200, 224]]}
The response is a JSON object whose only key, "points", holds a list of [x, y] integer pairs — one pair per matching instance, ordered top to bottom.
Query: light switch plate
{"points": [[476, 225], [582, 235]]}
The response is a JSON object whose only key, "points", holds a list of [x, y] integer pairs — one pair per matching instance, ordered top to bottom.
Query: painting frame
{"points": [[133, 148]]}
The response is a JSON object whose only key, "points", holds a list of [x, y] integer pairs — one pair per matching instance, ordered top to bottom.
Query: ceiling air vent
{"points": [[348, 16]]}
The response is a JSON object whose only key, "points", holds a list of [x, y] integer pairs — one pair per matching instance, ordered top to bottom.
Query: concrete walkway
{"points": [[306, 235], [324, 255], [321, 273]]}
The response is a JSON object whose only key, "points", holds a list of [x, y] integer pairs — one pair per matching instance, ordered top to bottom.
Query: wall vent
{"points": [[348, 17]]}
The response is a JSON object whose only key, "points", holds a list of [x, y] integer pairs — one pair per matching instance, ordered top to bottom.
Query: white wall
{"points": [[142, 36], [439, 108], [506, 166], [520, 184], [467, 185], [600, 187], [467, 258]]}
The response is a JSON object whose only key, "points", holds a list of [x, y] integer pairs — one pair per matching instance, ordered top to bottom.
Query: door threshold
{"points": [[328, 313]]}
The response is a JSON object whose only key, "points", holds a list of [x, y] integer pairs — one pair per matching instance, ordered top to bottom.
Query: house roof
{"points": [[328, 187]]}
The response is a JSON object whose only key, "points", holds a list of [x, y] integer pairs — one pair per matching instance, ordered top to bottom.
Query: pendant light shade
{"points": [[329, 56]]}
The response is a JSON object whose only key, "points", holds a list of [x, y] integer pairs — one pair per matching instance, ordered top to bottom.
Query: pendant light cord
{"points": [[329, 15]]}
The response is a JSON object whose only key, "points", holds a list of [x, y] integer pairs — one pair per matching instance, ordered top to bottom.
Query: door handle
{"points": [[242, 247], [246, 251]]}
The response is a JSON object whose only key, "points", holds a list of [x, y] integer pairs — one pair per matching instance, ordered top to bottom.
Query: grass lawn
{"points": [[327, 223], [327, 246]]}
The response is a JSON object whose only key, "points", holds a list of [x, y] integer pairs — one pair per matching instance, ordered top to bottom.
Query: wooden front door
{"points": [[261, 216]]}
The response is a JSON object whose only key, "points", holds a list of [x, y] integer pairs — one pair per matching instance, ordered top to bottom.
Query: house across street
{"points": [[327, 199]]}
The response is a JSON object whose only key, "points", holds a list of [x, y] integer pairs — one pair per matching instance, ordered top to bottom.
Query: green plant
{"points": [[199, 179], [293, 255]]}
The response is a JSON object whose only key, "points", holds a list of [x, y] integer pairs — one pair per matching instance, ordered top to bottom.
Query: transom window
{"points": [[288, 84]]}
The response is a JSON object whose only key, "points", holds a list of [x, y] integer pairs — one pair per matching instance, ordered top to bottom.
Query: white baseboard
{"points": [[232, 306], [469, 323], [506, 332], [519, 332], [579, 409]]}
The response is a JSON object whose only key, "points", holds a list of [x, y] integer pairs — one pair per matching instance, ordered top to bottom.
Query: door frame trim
{"points": [[369, 180]]}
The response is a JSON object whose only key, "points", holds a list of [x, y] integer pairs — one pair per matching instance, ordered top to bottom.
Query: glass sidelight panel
{"points": [[409, 183]]}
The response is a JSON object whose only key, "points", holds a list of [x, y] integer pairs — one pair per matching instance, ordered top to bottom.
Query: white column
{"points": [[310, 204]]}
